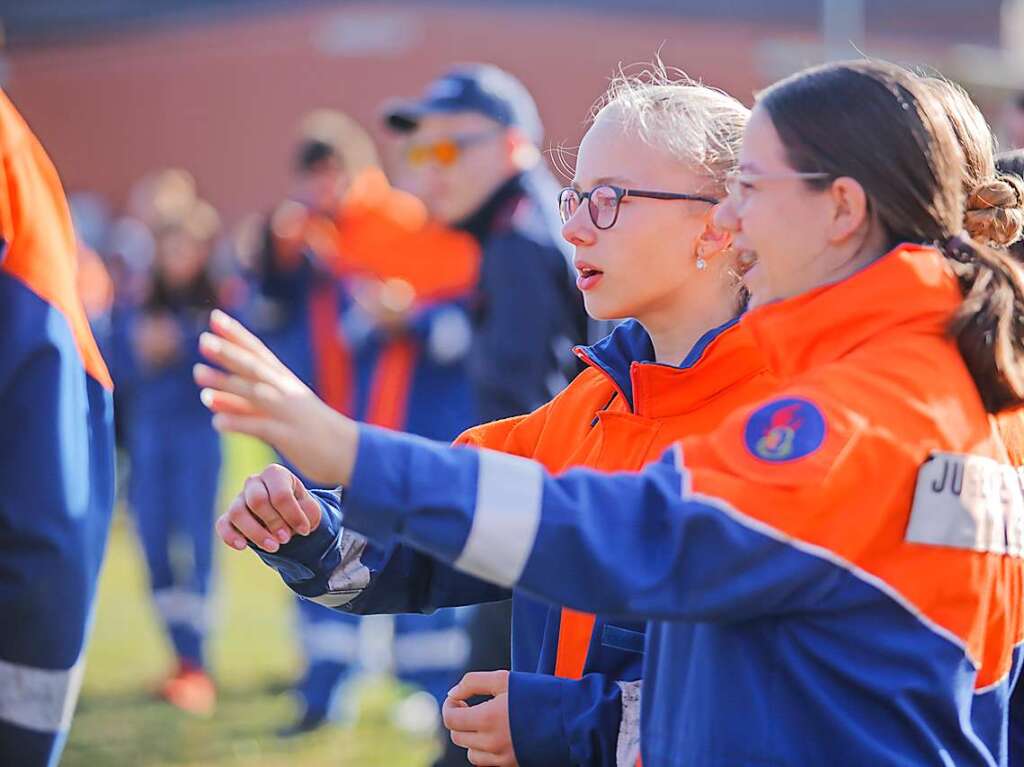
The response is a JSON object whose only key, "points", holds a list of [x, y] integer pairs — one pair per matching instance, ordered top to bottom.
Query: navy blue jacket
{"points": [[527, 310]]}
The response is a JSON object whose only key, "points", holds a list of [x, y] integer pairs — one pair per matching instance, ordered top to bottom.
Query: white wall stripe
{"points": [[506, 518], [39, 699]]}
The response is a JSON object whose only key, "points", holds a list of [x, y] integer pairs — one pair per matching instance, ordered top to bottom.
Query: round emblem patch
{"points": [[785, 430]]}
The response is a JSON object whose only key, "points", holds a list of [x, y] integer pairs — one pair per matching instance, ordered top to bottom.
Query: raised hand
{"points": [[259, 396]]}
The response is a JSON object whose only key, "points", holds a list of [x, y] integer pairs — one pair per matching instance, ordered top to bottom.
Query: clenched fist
{"points": [[272, 507]]}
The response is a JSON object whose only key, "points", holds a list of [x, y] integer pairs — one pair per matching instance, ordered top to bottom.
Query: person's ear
{"points": [[521, 150], [849, 209], [712, 240]]}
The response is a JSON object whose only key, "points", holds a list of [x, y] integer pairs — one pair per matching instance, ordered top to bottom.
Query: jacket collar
{"points": [[482, 222], [910, 286], [721, 357]]}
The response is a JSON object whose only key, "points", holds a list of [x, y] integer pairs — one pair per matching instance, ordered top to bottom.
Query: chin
{"points": [[758, 287], [603, 310]]}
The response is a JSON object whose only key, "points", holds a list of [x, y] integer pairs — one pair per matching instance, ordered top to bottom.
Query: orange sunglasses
{"points": [[446, 151]]}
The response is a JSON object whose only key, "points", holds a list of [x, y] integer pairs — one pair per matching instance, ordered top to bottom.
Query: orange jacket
{"points": [[384, 235], [619, 414], [834, 575]]}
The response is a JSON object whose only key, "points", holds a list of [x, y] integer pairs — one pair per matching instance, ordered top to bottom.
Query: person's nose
{"points": [[726, 216], [579, 230]]}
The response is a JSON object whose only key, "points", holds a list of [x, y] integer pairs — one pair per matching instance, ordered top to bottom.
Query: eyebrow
{"points": [[748, 167], [607, 181]]}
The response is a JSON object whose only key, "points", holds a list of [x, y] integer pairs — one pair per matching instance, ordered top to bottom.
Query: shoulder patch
{"points": [[785, 430]]}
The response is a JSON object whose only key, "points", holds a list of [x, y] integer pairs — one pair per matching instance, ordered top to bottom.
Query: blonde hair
{"points": [[700, 126]]}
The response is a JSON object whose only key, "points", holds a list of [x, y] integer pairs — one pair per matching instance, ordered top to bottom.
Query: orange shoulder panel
{"points": [[36, 223], [385, 233], [1010, 424], [493, 435], [849, 491]]}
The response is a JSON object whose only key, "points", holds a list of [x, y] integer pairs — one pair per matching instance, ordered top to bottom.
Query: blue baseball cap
{"points": [[481, 88]]}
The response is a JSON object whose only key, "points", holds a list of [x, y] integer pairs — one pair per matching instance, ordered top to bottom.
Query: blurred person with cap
{"points": [[472, 153], [368, 298], [297, 311], [56, 462]]}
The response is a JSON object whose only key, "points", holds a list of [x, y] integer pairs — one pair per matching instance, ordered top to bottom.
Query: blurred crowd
{"points": [[428, 299]]}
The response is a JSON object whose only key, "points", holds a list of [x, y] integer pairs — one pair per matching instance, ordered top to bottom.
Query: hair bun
{"points": [[995, 211]]}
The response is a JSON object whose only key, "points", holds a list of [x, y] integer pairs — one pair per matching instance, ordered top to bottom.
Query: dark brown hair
{"points": [[887, 128], [1011, 164], [993, 210]]}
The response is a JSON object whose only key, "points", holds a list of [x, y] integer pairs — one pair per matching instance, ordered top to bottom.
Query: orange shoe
{"points": [[191, 690]]}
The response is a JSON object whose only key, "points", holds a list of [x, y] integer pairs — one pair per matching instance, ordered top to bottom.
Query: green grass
{"points": [[253, 657]]}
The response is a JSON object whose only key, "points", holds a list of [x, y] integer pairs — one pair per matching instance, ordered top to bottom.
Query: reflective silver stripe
{"points": [[505, 520], [350, 577], [184, 608], [331, 641], [431, 650], [39, 699], [627, 748]]}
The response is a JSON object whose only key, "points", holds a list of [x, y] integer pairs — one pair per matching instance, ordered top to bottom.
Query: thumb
{"points": [[309, 505], [480, 683]]}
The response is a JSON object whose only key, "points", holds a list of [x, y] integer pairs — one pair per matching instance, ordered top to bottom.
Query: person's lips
{"points": [[589, 276]]}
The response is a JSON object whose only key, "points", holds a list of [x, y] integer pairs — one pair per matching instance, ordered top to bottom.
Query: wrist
{"points": [[346, 436]]}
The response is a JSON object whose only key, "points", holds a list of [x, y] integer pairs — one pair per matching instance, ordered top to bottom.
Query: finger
{"points": [[228, 327], [237, 359], [240, 388], [219, 402], [260, 427], [282, 492], [258, 501], [310, 507], [246, 523], [228, 534], [480, 683], [448, 706], [467, 718], [481, 741], [483, 758]]}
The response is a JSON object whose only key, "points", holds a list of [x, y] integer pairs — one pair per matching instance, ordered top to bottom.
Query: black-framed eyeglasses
{"points": [[603, 202]]}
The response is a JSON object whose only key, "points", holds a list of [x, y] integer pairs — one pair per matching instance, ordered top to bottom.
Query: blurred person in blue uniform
{"points": [[368, 299], [174, 452]]}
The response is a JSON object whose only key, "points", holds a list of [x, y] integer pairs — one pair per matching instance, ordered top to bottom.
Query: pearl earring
{"points": [[701, 264]]}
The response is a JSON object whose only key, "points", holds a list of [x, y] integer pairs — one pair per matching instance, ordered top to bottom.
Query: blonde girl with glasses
{"points": [[639, 215]]}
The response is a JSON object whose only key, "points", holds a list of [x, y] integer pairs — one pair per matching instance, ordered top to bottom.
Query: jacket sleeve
{"points": [[56, 498], [710, 541], [343, 570], [557, 721]]}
